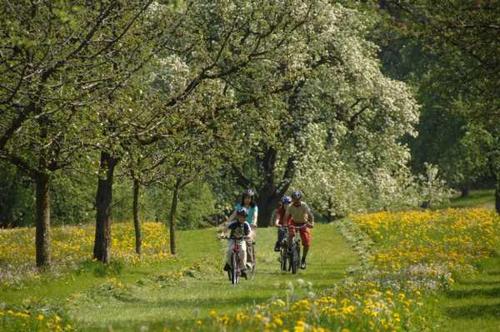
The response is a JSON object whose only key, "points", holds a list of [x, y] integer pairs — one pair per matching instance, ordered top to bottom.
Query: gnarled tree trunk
{"points": [[269, 192], [268, 196], [104, 199], [267, 201]]}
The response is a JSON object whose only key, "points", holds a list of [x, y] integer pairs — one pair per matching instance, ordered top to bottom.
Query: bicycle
{"points": [[284, 248], [294, 250], [234, 272]]}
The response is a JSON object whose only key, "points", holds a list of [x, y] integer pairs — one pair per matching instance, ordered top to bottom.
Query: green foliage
{"points": [[447, 50], [302, 76], [433, 190], [16, 197], [72, 198], [196, 205], [99, 269]]}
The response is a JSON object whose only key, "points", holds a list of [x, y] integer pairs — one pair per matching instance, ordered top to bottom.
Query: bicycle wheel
{"points": [[290, 253], [298, 254], [284, 258], [295, 258], [254, 262], [235, 269]]}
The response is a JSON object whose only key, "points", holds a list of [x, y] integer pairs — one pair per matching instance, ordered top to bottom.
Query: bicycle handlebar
{"points": [[294, 226], [301, 226], [226, 237]]}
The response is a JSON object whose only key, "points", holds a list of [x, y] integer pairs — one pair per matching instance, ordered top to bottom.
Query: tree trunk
{"points": [[464, 191], [269, 193], [497, 195], [268, 197], [104, 198], [267, 202], [173, 210], [330, 215], [137, 222], [42, 241]]}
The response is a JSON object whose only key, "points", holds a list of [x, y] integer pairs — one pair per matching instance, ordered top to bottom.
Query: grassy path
{"points": [[477, 199], [188, 287], [150, 297], [473, 304]]}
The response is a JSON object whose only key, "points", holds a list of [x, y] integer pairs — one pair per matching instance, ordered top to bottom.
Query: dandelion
{"points": [[280, 303], [278, 321], [300, 326]]}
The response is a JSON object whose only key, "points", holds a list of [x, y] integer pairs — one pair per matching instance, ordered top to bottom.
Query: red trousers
{"points": [[305, 234]]}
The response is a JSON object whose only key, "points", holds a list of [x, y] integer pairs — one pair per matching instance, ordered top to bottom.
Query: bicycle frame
{"points": [[296, 236], [284, 240], [236, 247], [294, 248], [235, 271]]}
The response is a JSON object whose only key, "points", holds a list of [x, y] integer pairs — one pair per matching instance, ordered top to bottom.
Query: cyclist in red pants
{"points": [[301, 214]]}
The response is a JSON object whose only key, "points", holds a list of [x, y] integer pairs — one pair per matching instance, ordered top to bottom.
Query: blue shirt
{"points": [[251, 212], [238, 230]]}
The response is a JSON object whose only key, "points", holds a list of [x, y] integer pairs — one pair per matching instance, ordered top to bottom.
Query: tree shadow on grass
{"points": [[306, 275], [480, 283], [480, 292], [217, 303], [187, 310], [474, 311]]}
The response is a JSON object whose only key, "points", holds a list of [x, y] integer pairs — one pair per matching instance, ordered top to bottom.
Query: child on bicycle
{"points": [[248, 202], [301, 216], [279, 220], [239, 231]]}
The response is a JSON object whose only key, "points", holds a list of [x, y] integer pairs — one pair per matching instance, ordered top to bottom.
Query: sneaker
{"points": [[277, 247], [303, 265], [227, 267]]}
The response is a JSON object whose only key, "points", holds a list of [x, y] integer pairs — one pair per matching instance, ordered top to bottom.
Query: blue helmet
{"points": [[297, 194], [286, 199], [242, 212]]}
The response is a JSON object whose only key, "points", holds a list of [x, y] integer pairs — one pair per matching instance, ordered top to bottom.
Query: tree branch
{"points": [[242, 180]]}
